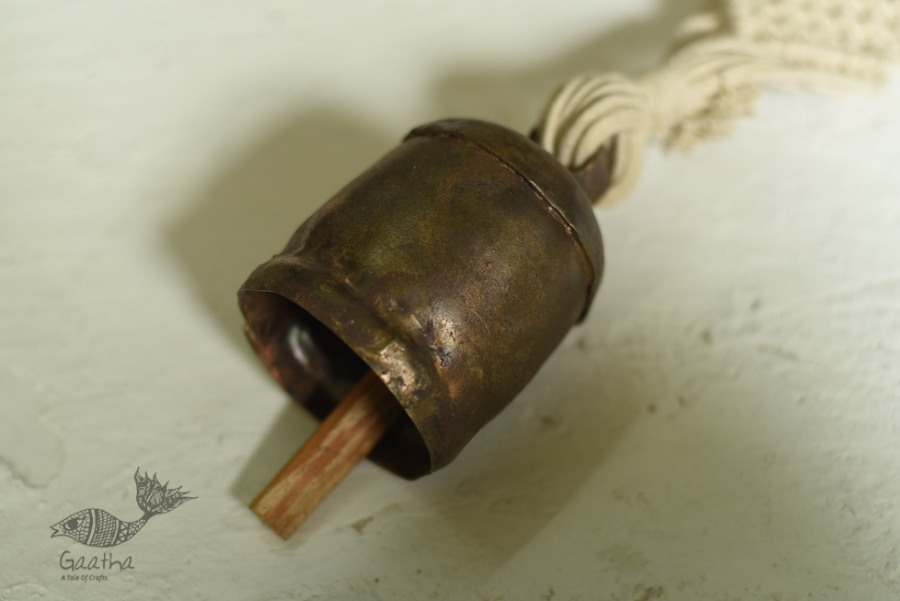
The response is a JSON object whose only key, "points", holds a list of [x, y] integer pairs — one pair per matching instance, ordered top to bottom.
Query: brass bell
{"points": [[451, 269]]}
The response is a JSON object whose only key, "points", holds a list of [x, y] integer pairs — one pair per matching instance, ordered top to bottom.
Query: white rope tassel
{"points": [[825, 45]]}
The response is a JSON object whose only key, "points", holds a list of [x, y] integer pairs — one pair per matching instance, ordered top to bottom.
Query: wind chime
{"points": [[412, 307]]}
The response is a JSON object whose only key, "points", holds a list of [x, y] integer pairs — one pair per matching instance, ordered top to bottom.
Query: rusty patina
{"points": [[452, 268]]}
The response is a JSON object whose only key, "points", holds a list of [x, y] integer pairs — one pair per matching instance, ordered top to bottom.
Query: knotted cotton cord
{"points": [[714, 76]]}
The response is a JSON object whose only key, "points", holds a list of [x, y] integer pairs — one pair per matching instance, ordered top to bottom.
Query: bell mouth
{"points": [[318, 370]]}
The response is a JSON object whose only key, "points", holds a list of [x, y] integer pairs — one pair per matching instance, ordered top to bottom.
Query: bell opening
{"points": [[318, 370]]}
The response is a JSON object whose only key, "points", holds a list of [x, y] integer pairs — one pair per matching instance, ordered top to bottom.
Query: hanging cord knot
{"points": [[713, 79], [695, 96], [599, 112]]}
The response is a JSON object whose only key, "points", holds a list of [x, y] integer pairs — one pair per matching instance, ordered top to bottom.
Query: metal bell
{"points": [[452, 268]]}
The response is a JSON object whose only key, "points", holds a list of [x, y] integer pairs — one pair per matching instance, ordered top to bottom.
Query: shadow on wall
{"points": [[251, 207]]}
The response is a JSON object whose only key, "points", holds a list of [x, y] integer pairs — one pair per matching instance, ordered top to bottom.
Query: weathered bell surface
{"points": [[452, 268]]}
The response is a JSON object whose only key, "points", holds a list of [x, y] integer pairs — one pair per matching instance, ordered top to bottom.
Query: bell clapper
{"points": [[347, 435]]}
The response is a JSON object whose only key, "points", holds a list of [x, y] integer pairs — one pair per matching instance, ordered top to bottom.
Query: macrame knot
{"points": [[725, 56], [703, 89], [695, 96]]}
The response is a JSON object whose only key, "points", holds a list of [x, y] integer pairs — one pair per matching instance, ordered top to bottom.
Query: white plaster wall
{"points": [[723, 427]]}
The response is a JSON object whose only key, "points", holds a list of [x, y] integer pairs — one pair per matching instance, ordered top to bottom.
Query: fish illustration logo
{"points": [[97, 528]]}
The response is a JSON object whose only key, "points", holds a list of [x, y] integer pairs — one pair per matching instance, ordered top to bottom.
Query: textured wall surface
{"points": [[724, 426]]}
